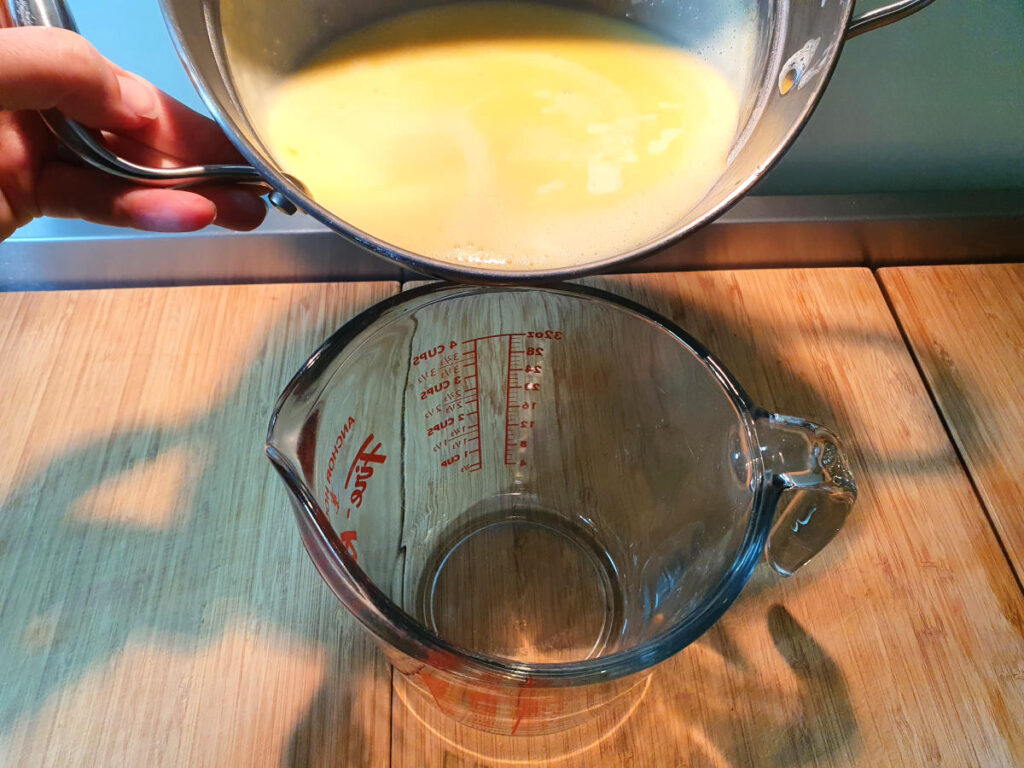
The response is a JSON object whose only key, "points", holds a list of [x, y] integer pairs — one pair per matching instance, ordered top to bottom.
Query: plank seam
{"points": [[947, 427]]}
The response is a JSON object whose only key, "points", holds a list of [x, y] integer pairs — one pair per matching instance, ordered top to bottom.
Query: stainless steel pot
{"points": [[778, 54]]}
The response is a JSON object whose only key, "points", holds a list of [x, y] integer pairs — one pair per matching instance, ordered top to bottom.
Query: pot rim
{"points": [[461, 273]]}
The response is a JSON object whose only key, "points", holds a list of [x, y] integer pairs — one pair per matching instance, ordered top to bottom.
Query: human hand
{"points": [[52, 68]]}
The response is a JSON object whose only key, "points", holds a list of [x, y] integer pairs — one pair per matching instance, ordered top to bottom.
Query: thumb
{"points": [[44, 68]]}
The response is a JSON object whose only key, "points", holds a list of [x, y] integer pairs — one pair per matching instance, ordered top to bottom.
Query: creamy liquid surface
{"points": [[505, 135]]}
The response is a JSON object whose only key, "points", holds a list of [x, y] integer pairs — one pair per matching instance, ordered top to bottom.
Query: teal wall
{"points": [[934, 102]]}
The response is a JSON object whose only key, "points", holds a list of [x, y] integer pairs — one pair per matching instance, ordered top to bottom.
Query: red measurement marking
{"points": [[492, 336], [439, 350], [513, 386], [460, 397], [471, 399], [462, 431], [458, 434], [338, 443], [362, 469], [330, 497], [348, 541], [526, 704]]}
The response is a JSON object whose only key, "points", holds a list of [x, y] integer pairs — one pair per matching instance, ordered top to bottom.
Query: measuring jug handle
{"points": [[89, 146], [813, 489]]}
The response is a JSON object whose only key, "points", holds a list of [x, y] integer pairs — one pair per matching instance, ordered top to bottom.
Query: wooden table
{"points": [[966, 327], [157, 607]]}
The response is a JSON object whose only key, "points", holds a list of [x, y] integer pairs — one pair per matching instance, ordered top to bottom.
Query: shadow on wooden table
{"points": [[770, 357], [762, 361], [211, 604], [159, 609], [222, 630], [718, 703], [748, 712]]}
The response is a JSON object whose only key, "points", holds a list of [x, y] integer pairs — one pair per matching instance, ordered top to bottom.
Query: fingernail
{"points": [[139, 96]]}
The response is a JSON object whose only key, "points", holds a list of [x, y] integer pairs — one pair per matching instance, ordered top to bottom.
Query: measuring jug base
{"points": [[523, 584]]}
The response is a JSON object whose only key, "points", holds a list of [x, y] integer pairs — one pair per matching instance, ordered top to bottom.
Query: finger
{"points": [[44, 68], [184, 134], [24, 143], [68, 191], [72, 192], [238, 207]]}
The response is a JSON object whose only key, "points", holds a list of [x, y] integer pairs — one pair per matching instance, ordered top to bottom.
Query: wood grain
{"points": [[966, 327], [157, 606], [902, 644]]}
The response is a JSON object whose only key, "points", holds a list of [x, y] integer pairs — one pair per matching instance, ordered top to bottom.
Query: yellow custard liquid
{"points": [[505, 135]]}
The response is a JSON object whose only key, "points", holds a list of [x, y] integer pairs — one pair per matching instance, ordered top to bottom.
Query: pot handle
{"points": [[880, 17], [88, 145], [813, 488]]}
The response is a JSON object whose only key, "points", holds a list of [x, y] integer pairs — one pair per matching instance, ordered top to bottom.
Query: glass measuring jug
{"points": [[529, 495]]}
